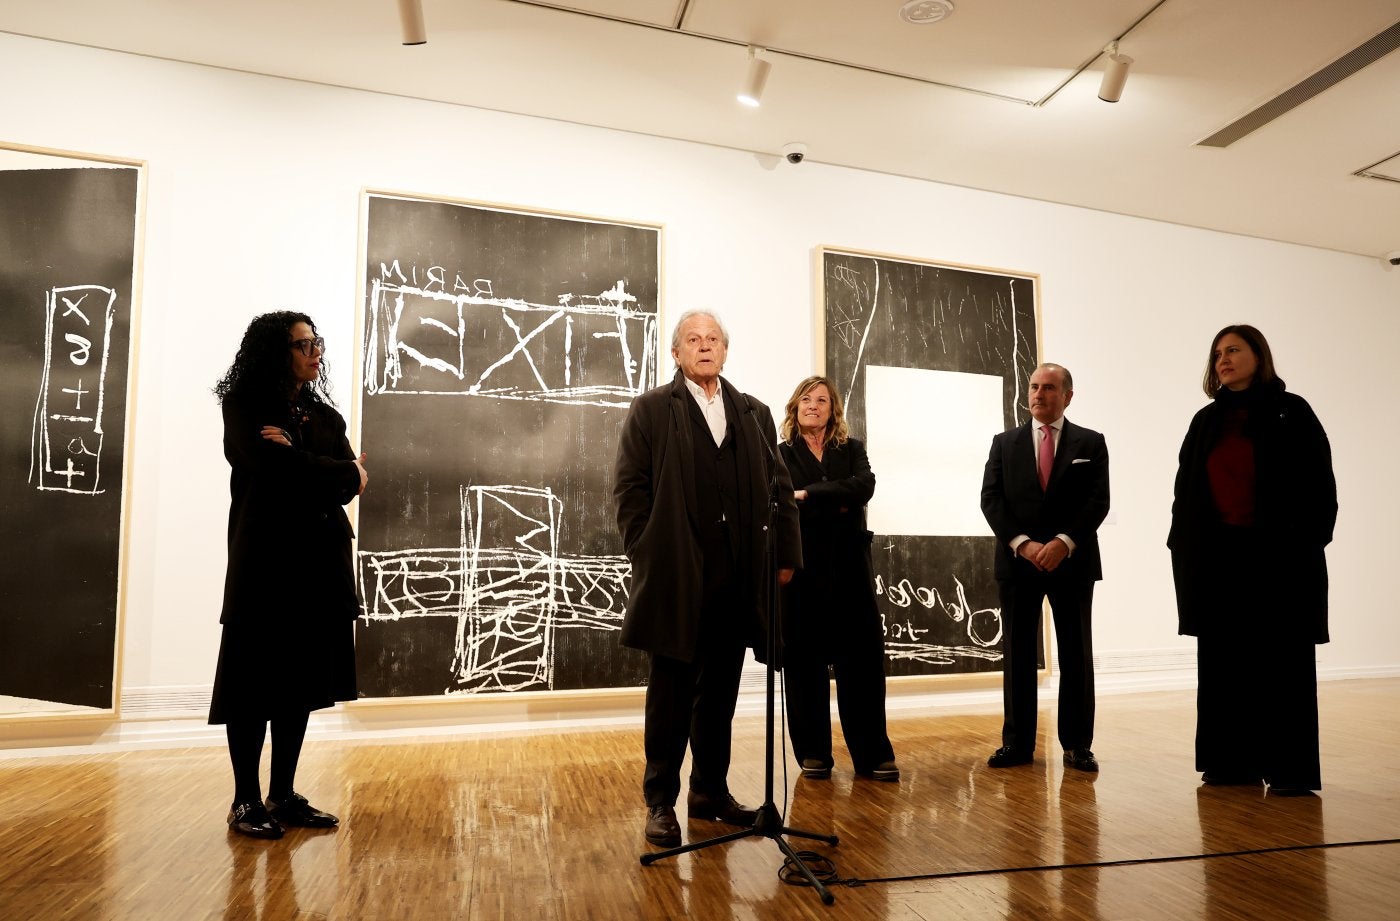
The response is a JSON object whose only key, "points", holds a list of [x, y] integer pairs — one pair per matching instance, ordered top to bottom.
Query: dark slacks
{"points": [[1071, 605], [857, 656], [1256, 692], [693, 703], [1256, 706]]}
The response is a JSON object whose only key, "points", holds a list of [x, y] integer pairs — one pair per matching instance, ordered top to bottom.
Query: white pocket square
{"points": [[1081, 460]]}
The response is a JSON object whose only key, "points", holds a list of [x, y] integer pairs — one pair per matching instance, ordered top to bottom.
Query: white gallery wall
{"points": [[254, 188]]}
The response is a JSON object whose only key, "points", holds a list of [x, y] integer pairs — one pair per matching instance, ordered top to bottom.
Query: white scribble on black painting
{"points": [[843, 325], [865, 336], [463, 339], [1015, 365], [66, 444], [507, 585], [903, 638]]}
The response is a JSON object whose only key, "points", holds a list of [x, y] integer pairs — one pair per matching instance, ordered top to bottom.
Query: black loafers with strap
{"points": [[294, 810], [252, 819]]}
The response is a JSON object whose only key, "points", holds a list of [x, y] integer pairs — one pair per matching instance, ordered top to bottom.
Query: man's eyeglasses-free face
{"points": [[305, 346]]}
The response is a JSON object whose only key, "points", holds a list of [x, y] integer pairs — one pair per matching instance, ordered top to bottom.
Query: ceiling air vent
{"points": [[1327, 77]]}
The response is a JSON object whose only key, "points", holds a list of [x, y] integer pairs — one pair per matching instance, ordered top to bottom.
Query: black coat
{"points": [[654, 493], [1075, 503], [1295, 509], [289, 540], [836, 586]]}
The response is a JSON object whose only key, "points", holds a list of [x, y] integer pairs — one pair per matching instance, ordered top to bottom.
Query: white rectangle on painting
{"points": [[928, 434]]}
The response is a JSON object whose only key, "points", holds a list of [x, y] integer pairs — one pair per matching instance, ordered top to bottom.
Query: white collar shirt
{"points": [[711, 407], [1056, 429]]}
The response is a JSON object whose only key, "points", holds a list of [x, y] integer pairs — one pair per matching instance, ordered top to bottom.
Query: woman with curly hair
{"points": [[289, 594], [830, 618]]}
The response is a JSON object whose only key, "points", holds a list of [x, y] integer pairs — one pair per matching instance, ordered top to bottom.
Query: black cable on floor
{"points": [[1139, 861], [821, 866]]}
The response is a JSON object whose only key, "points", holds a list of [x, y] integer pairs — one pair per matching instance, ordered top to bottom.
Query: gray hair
{"points": [[689, 314], [1065, 376]]}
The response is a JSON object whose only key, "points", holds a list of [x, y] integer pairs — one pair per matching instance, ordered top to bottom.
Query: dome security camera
{"points": [[794, 152], [1392, 258]]}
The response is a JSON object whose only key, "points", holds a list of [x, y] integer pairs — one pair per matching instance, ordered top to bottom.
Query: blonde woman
{"points": [[830, 621]]}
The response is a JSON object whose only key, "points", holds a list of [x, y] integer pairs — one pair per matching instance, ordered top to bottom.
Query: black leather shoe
{"points": [[1009, 757], [1081, 759], [816, 769], [887, 771], [722, 808], [294, 810], [251, 819], [662, 829]]}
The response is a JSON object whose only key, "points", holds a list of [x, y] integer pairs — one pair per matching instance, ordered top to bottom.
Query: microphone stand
{"points": [[769, 821]]}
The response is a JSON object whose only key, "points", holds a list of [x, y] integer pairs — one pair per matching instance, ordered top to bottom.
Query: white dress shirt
{"points": [[711, 407], [1056, 428]]}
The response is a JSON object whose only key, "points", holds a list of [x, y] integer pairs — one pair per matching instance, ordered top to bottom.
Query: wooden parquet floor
{"points": [[547, 827]]}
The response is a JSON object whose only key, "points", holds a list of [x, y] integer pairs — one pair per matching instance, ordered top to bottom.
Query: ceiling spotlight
{"points": [[925, 12], [411, 21], [1115, 75], [757, 76]]}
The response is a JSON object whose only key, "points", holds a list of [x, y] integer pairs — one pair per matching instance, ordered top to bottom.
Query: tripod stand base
{"points": [[768, 824]]}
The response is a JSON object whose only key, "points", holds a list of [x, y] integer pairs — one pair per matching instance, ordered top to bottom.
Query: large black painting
{"points": [[67, 264], [963, 333], [501, 351]]}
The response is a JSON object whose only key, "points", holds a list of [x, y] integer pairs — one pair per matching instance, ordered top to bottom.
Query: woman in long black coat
{"points": [[1255, 505], [289, 593], [830, 620]]}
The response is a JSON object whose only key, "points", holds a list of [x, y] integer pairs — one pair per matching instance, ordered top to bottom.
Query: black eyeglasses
{"points": [[304, 346]]}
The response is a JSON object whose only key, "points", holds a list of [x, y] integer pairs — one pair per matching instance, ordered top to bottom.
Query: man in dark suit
{"points": [[691, 486], [1045, 493]]}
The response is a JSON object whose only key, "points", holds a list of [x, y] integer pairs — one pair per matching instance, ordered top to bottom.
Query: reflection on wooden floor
{"points": [[548, 826]]}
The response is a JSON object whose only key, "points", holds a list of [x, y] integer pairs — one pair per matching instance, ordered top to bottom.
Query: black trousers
{"points": [[1071, 605], [856, 653], [1256, 690], [692, 703], [1256, 707]]}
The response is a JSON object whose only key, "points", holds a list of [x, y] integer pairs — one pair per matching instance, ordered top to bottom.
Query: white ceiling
{"points": [[971, 101]]}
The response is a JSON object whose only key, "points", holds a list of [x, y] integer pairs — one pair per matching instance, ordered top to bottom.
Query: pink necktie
{"points": [[1047, 456]]}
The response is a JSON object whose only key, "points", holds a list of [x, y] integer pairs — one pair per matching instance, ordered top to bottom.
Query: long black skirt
{"points": [[265, 672]]}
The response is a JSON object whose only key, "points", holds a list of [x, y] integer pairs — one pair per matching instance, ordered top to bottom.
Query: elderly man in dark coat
{"points": [[694, 466]]}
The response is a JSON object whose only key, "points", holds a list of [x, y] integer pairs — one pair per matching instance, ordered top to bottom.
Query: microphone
{"points": [[772, 459]]}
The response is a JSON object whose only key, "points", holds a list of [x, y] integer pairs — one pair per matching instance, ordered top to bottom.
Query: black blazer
{"points": [[1075, 503], [836, 573]]}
